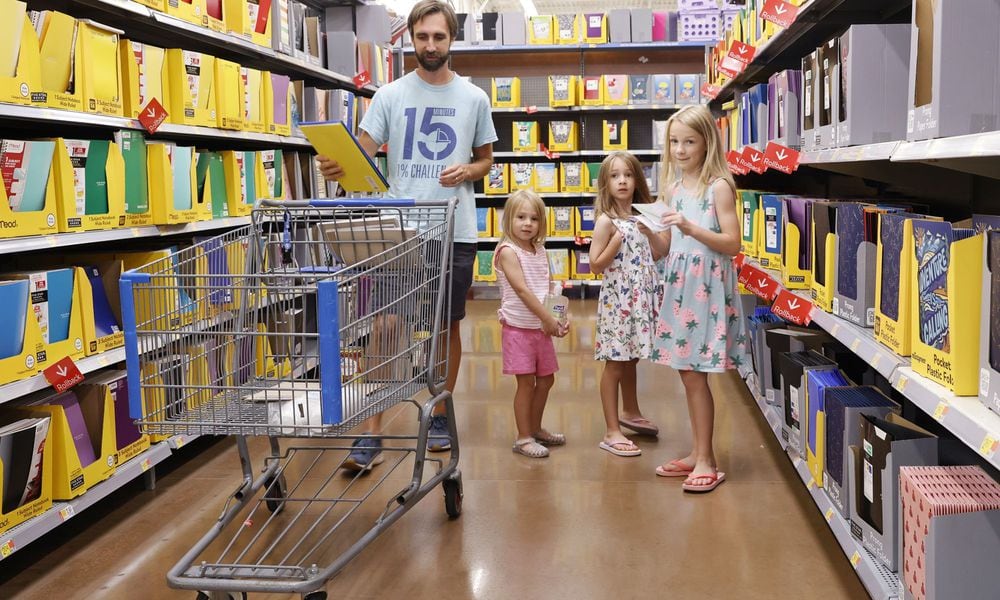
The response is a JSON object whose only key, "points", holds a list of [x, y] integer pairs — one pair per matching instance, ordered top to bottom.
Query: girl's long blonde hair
{"points": [[698, 118], [514, 201], [605, 202]]}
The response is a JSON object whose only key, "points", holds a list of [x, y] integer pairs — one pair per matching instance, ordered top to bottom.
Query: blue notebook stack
{"points": [[14, 297], [105, 323], [817, 382], [838, 431]]}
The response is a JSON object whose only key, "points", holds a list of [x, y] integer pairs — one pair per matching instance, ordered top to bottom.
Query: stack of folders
{"points": [[798, 212], [761, 319], [793, 367], [817, 384], [838, 431], [22, 444], [929, 493]]}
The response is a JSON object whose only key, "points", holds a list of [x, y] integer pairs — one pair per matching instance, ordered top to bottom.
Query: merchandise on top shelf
{"points": [[14, 11], [641, 25], [699, 25], [619, 26], [665, 26], [487, 27], [567, 28], [595, 28], [512, 29], [540, 30], [57, 35], [20, 46], [144, 76], [192, 78], [872, 86], [827, 89], [563, 90], [506, 92], [230, 96], [946, 100], [784, 101], [810, 104], [893, 285], [945, 312], [989, 335], [843, 408], [886, 445], [950, 519]]}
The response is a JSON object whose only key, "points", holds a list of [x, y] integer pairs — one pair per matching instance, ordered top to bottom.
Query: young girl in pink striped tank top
{"points": [[522, 268]]}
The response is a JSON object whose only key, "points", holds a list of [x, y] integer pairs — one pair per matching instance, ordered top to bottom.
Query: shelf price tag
{"points": [[779, 12], [362, 79], [711, 91], [531, 109], [152, 115], [781, 158], [755, 159], [734, 160], [758, 283], [791, 308], [854, 345], [63, 375], [901, 384], [941, 410], [180, 441], [989, 446], [146, 465], [811, 484], [67, 512], [829, 514], [7, 549], [855, 559]]}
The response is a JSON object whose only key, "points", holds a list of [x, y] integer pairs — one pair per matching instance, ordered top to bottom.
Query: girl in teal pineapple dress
{"points": [[699, 329]]}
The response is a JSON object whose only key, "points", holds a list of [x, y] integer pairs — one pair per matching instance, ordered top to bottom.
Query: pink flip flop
{"points": [[642, 426], [611, 447], [681, 470], [717, 478]]}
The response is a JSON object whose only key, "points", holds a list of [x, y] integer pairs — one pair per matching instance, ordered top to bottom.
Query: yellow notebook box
{"points": [[192, 11], [258, 26], [567, 28], [595, 28], [541, 30], [61, 62], [101, 70], [144, 76], [192, 77], [18, 86], [564, 90], [591, 90], [506, 92], [230, 99], [253, 100], [277, 103], [614, 135], [525, 136], [564, 136], [244, 170], [522, 176], [573, 177], [546, 178], [497, 181], [90, 185], [173, 187], [585, 217], [484, 221], [561, 221], [35, 222], [498, 222], [824, 255], [559, 263], [580, 265], [482, 268], [893, 287], [50, 291], [946, 301], [166, 306], [98, 339], [271, 362], [113, 385], [72, 474], [42, 500]]}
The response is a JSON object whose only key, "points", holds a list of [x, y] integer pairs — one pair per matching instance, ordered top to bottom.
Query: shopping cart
{"points": [[301, 325]]}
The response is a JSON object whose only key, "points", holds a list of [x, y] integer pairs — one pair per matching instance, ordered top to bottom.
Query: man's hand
{"points": [[330, 168], [454, 175]]}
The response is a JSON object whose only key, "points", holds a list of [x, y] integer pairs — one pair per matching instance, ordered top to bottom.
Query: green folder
{"points": [[133, 147], [593, 170], [97, 177], [212, 179]]}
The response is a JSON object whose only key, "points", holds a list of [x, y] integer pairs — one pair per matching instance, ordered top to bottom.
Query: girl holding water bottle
{"points": [[532, 310]]}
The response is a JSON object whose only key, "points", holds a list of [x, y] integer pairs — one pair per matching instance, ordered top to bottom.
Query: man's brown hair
{"points": [[429, 7]]}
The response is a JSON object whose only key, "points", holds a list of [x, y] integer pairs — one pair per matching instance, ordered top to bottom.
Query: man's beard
{"points": [[432, 64]]}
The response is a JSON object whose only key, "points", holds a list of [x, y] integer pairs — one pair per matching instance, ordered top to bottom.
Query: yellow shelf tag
{"points": [[941, 410], [989, 446], [67, 512], [829, 514], [7, 549], [855, 559]]}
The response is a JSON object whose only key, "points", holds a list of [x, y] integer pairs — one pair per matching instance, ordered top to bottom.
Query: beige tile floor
{"points": [[581, 524]]}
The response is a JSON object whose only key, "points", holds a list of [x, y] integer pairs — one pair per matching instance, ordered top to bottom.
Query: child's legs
{"points": [[611, 379], [541, 395], [630, 397], [524, 399], [701, 407]]}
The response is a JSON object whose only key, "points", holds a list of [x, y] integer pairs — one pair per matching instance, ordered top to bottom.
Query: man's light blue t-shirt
{"points": [[429, 128]]}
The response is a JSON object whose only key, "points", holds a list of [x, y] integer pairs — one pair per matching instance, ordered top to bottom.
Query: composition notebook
{"points": [[335, 140]]}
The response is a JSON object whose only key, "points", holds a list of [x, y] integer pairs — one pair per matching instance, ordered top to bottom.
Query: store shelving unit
{"points": [[573, 48]]}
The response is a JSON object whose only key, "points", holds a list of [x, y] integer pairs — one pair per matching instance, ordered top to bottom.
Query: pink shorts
{"points": [[527, 352]]}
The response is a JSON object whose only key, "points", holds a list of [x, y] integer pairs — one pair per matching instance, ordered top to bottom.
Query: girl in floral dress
{"points": [[624, 251], [699, 329]]}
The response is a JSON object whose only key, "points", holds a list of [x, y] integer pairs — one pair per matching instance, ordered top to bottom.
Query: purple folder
{"points": [[279, 84], [798, 211], [77, 426], [126, 431]]}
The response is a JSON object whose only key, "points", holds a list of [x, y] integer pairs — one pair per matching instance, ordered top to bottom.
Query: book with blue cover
{"points": [[638, 89], [662, 89], [850, 227], [773, 231], [891, 240], [932, 250], [14, 296], [52, 302], [105, 322], [817, 382], [840, 433]]}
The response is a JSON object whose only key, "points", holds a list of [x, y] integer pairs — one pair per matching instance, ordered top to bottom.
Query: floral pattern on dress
{"points": [[630, 297], [699, 327]]}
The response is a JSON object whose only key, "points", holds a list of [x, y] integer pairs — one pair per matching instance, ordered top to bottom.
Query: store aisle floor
{"points": [[581, 524]]}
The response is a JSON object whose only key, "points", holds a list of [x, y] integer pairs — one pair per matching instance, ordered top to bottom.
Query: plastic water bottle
{"points": [[556, 303]]}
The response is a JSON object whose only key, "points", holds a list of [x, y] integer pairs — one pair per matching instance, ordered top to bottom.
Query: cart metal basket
{"points": [[301, 325]]}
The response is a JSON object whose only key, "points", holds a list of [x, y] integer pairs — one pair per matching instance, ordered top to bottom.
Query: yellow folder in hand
{"points": [[333, 140]]}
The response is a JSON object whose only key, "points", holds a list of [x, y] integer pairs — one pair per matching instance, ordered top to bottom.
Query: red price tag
{"points": [[779, 12], [742, 53], [730, 68], [362, 79], [711, 91], [531, 109], [152, 116], [548, 153], [755, 158], [781, 158], [735, 162], [739, 260], [759, 283], [791, 308], [63, 375]]}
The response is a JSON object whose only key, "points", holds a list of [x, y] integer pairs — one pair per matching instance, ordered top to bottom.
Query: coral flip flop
{"points": [[642, 426], [618, 452], [680, 470], [716, 478]]}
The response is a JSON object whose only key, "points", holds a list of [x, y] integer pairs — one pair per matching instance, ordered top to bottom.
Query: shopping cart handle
{"points": [[342, 203]]}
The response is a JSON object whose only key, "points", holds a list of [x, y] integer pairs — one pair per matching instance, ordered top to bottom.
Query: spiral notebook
{"points": [[334, 140]]}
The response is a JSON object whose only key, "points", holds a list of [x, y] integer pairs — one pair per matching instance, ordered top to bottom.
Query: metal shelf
{"points": [[564, 48], [167, 130], [976, 145], [643, 152], [871, 152], [506, 154], [542, 195], [561, 238], [60, 240], [89, 364], [29, 531], [878, 580]]}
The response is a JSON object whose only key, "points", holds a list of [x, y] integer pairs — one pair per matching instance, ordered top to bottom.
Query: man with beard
{"points": [[440, 135]]}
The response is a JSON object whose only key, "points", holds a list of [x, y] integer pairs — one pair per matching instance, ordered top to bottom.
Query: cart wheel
{"points": [[453, 494], [274, 497], [319, 595], [222, 596]]}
